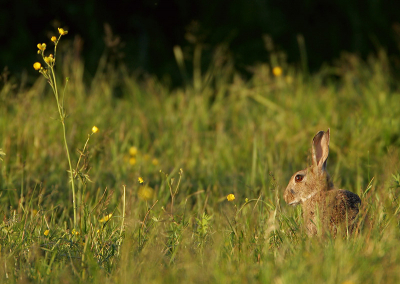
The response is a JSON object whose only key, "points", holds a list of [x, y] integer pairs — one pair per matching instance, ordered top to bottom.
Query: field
{"points": [[217, 135]]}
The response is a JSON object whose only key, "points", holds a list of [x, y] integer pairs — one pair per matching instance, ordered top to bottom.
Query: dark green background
{"points": [[149, 29]]}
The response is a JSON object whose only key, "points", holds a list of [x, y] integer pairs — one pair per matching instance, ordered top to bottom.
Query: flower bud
{"points": [[62, 32], [37, 65]]}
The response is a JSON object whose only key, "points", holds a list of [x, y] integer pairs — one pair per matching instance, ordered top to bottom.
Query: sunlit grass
{"points": [[165, 217]]}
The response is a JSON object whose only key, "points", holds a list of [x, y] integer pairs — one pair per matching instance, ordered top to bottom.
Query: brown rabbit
{"points": [[314, 189]]}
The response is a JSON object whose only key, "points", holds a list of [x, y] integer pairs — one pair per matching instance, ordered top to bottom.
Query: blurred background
{"points": [[141, 34]]}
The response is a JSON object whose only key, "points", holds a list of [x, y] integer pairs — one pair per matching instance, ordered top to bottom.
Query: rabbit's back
{"points": [[345, 206], [336, 207]]}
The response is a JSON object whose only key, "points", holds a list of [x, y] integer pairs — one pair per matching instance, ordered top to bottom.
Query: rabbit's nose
{"points": [[288, 195]]}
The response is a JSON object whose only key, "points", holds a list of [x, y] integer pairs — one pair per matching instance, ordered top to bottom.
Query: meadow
{"points": [[152, 183]]}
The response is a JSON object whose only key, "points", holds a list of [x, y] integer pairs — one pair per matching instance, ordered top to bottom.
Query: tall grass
{"points": [[228, 135]]}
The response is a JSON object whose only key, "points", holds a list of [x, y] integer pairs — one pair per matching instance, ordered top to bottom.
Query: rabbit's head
{"points": [[308, 182]]}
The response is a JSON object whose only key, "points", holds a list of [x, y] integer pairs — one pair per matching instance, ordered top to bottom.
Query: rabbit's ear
{"points": [[320, 149]]}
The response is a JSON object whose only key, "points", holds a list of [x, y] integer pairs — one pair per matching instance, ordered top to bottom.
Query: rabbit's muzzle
{"points": [[289, 197]]}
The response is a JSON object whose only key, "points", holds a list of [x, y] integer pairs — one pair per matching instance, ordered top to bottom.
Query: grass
{"points": [[218, 135]]}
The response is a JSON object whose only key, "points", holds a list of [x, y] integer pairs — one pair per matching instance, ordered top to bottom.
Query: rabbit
{"points": [[320, 201]]}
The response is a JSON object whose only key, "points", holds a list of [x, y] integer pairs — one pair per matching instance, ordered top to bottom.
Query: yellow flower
{"points": [[62, 32], [53, 39], [41, 46], [49, 60], [37, 65], [277, 71], [95, 129], [133, 151], [132, 161], [154, 161], [140, 179], [145, 193], [230, 197], [246, 200], [106, 218], [75, 232], [46, 233]]}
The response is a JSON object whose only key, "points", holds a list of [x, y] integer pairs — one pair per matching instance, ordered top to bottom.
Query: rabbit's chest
{"points": [[315, 211]]}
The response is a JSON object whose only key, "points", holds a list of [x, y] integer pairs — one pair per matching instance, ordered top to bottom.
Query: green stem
{"points": [[62, 118], [82, 154], [71, 174], [123, 212]]}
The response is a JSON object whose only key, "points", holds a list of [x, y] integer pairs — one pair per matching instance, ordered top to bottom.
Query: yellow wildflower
{"points": [[62, 32], [53, 39], [41, 46], [49, 60], [37, 65], [277, 71], [95, 129], [133, 151], [132, 161], [154, 161], [140, 179], [145, 193], [230, 197], [246, 200], [106, 218], [74, 232], [46, 233]]}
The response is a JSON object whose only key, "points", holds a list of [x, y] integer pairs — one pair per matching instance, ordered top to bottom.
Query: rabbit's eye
{"points": [[298, 178]]}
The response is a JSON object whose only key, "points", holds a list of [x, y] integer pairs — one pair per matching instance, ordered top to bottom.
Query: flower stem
{"points": [[62, 119], [82, 154], [71, 174]]}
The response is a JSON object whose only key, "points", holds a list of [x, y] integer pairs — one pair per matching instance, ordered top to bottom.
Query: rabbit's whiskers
{"points": [[303, 199]]}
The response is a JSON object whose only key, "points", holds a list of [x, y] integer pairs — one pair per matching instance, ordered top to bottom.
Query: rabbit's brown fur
{"points": [[314, 190]]}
